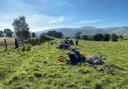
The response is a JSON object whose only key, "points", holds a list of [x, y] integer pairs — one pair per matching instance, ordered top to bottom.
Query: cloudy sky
{"points": [[45, 14]]}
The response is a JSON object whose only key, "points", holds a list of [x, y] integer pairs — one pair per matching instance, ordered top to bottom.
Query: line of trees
{"points": [[1, 32], [22, 33], [54, 34], [45, 37], [99, 37], [42, 39]]}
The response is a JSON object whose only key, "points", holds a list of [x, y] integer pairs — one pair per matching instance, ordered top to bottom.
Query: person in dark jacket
{"points": [[73, 58]]}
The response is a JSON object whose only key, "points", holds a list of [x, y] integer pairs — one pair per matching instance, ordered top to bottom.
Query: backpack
{"points": [[95, 59]]}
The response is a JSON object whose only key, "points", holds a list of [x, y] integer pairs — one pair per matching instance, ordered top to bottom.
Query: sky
{"points": [[47, 14]]}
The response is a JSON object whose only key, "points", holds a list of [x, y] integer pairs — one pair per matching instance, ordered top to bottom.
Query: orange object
{"points": [[81, 53], [61, 59]]}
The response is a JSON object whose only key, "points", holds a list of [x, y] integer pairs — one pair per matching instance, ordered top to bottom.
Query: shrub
{"points": [[55, 34], [85, 37], [98, 37], [106, 37], [114, 37], [44, 38], [35, 41], [28, 47], [25, 48], [38, 75], [98, 86]]}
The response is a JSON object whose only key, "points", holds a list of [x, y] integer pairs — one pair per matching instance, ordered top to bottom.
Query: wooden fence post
{"points": [[5, 43], [16, 43]]}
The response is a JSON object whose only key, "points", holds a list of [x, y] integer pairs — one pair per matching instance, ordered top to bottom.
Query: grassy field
{"points": [[39, 68]]}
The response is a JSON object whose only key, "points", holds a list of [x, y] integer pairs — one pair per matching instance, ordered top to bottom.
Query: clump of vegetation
{"points": [[54, 34], [98, 37], [114, 37], [45, 38], [35, 41], [25, 48], [112, 69], [38, 75], [98, 86]]}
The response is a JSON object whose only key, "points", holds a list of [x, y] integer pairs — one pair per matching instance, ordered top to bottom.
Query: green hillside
{"points": [[39, 68]]}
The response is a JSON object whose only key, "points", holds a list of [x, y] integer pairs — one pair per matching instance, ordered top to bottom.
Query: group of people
{"points": [[66, 44], [75, 56]]}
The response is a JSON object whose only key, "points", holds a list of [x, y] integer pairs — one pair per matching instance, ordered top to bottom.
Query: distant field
{"points": [[10, 41], [39, 68]]}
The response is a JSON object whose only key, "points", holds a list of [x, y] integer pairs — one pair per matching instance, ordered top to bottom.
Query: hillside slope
{"points": [[39, 68]]}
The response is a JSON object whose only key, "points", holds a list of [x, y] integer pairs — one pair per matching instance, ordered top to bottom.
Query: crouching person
{"points": [[75, 57]]}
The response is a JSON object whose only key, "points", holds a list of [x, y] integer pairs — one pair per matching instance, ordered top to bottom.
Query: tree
{"points": [[21, 28], [1, 32], [8, 32], [52, 33], [33, 34], [55, 34], [60, 35], [77, 35], [85, 37], [98, 37], [106, 37], [114, 37], [121, 37], [45, 38]]}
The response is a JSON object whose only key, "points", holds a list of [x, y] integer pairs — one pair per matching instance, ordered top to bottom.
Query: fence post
{"points": [[77, 41], [5, 43], [16, 43]]}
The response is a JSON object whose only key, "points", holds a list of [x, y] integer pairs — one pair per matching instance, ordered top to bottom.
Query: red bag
{"points": [[61, 59]]}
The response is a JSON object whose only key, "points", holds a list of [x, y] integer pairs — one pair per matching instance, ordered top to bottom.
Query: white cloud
{"points": [[57, 19], [61, 19], [37, 20], [52, 21], [90, 21], [5, 22], [41, 22], [5, 25]]}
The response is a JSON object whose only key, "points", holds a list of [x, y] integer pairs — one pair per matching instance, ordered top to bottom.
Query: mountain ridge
{"points": [[89, 30]]}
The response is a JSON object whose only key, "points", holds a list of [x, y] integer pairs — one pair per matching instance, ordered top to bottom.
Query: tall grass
{"points": [[10, 41]]}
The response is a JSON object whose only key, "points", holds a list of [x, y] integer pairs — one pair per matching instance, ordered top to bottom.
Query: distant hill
{"points": [[110, 29], [84, 30], [88, 30], [118, 30], [122, 31]]}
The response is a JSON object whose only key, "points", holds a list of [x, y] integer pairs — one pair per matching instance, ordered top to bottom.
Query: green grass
{"points": [[39, 68]]}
